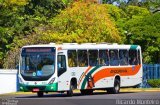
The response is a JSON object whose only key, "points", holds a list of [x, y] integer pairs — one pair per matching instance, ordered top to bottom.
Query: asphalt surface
{"points": [[98, 98]]}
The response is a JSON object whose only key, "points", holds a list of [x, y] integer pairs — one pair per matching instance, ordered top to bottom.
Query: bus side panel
{"points": [[104, 77], [91, 78], [133, 80], [64, 82], [104, 83]]}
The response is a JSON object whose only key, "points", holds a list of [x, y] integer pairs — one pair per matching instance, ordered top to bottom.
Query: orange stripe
{"points": [[107, 72], [84, 75]]}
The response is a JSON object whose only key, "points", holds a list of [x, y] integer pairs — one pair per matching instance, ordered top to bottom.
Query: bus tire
{"points": [[115, 89], [109, 90], [70, 91], [83, 92], [86, 92], [89, 92], [40, 94]]}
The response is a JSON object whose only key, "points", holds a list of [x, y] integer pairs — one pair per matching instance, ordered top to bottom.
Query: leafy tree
{"points": [[67, 2], [10, 3], [149, 4], [44, 8], [18, 18], [8, 19], [33, 22], [80, 22], [89, 22], [141, 27], [145, 32]]}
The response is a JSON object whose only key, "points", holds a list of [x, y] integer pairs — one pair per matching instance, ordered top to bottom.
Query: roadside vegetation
{"points": [[27, 22], [155, 83]]}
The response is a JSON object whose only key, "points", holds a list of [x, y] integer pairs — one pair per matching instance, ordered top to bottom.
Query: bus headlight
{"points": [[52, 80]]}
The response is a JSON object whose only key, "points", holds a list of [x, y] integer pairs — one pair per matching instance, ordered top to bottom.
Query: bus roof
{"points": [[87, 46]]}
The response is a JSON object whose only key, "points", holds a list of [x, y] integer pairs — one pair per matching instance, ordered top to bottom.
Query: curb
{"points": [[141, 90]]}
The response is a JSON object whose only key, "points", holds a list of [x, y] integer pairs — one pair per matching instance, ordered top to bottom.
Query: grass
{"points": [[154, 82]]}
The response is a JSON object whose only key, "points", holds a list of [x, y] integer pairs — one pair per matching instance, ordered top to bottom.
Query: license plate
{"points": [[35, 90]]}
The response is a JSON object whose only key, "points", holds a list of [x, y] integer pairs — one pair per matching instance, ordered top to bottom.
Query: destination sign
{"points": [[38, 49]]}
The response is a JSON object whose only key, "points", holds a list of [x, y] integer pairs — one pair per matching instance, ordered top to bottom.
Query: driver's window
{"points": [[61, 64]]}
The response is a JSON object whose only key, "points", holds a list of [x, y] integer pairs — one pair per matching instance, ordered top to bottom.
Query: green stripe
{"points": [[133, 47], [90, 73]]}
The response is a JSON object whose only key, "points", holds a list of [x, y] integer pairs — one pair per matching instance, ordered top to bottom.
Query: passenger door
{"points": [[62, 68]]}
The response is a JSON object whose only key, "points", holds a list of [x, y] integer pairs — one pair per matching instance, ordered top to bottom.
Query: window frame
{"points": [[127, 57], [95, 58], [75, 59], [113, 61], [80, 64], [63, 70]]}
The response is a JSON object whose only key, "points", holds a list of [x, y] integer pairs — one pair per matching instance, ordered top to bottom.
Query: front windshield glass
{"points": [[37, 63]]}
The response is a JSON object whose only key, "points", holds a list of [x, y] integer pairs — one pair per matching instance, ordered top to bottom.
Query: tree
{"points": [[14, 2], [151, 4], [18, 18], [80, 22], [89, 22], [145, 32]]}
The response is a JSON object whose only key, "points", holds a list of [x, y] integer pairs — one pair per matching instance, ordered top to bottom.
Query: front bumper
{"points": [[45, 88]]}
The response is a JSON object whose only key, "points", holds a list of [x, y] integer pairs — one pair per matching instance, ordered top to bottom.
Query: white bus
{"points": [[87, 67]]}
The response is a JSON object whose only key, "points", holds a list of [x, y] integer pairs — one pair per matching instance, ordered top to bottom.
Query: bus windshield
{"points": [[37, 63]]}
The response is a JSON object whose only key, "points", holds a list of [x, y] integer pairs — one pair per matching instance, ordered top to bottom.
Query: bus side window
{"points": [[93, 57], [103, 57], [123, 57], [133, 57], [139, 57], [72, 58], [82, 58], [114, 60], [61, 64]]}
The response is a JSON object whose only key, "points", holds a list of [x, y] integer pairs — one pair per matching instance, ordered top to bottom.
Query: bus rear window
{"points": [[133, 60]]}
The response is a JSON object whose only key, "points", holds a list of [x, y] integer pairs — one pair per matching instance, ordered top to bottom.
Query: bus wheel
{"points": [[115, 89], [70, 91], [83, 92], [86, 92], [89, 92], [40, 94]]}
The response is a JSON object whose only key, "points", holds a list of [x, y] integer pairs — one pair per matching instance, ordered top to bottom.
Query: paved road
{"points": [[98, 98]]}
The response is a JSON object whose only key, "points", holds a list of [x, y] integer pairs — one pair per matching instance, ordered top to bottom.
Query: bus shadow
{"points": [[62, 95]]}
